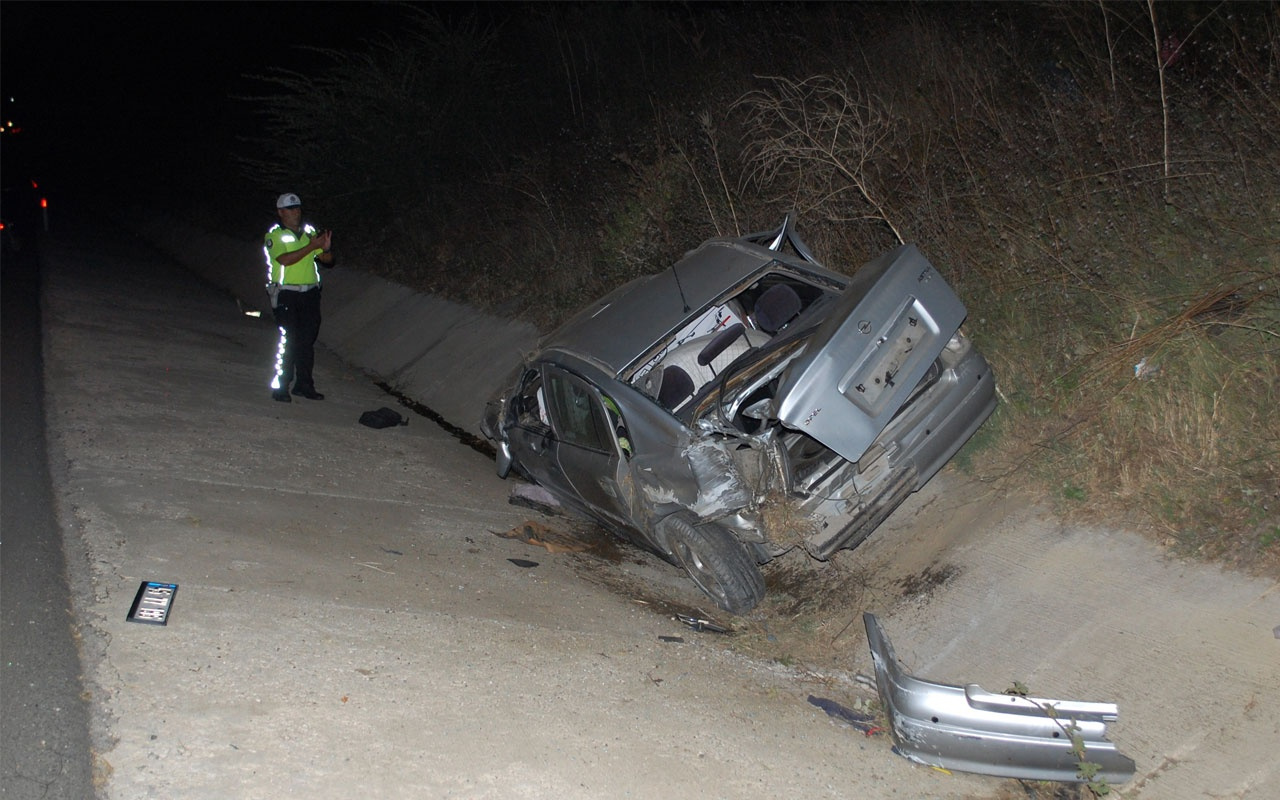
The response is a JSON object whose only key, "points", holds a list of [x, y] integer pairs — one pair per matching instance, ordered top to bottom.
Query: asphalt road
{"points": [[44, 735]]}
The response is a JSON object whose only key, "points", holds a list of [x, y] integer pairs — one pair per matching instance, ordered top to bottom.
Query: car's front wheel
{"points": [[717, 562]]}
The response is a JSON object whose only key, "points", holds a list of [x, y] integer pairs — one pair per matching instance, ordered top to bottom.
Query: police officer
{"points": [[294, 251]]}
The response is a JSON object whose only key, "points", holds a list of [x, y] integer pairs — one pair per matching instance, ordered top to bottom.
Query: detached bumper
{"points": [[972, 730]]}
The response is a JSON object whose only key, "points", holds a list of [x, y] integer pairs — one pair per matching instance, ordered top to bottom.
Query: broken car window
{"points": [[579, 417]]}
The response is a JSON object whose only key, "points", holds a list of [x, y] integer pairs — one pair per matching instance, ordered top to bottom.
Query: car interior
{"points": [[715, 340]]}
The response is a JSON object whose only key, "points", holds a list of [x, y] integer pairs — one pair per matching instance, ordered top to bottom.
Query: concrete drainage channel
{"points": [[476, 443]]}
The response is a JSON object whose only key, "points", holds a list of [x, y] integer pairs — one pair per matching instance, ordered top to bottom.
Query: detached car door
{"points": [[590, 437]]}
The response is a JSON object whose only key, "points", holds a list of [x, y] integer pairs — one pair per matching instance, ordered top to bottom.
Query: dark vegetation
{"points": [[1099, 181]]}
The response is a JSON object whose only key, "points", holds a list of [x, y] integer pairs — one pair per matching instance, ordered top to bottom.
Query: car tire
{"points": [[717, 562]]}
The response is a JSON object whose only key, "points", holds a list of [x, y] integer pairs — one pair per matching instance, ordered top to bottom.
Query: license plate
{"points": [[151, 604]]}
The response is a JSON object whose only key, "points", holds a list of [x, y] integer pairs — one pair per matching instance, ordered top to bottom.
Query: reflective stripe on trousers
{"points": [[298, 319], [280, 351]]}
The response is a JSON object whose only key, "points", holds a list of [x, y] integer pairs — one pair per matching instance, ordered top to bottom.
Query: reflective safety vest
{"points": [[280, 240]]}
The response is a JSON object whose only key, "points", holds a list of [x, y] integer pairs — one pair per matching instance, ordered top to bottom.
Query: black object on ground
{"points": [[382, 418], [477, 443]]}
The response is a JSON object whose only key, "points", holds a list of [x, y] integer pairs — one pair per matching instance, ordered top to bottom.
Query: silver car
{"points": [[745, 402]]}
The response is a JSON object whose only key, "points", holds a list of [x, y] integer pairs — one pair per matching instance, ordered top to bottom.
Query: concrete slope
{"points": [[347, 624], [1186, 650], [1189, 652]]}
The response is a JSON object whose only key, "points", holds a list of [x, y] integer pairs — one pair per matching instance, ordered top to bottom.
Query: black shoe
{"points": [[310, 394], [282, 395]]}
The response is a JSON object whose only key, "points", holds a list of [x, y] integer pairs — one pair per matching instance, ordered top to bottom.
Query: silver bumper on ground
{"points": [[969, 729]]}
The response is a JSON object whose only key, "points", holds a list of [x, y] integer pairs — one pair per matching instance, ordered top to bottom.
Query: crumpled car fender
{"points": [[720, 487], [973, 730]]}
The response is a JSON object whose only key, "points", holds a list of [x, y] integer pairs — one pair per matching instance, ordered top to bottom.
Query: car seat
{"points": [[777, 306], [676, 387]]}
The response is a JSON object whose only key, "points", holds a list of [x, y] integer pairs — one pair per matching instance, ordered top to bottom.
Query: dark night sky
{"points": [[130, 94]]}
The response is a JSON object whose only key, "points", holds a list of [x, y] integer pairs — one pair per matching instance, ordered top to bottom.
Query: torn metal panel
{"points": [[720, 487], [969, 729]]}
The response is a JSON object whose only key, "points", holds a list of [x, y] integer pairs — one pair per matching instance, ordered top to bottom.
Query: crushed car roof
{"points": [[614, 330]]}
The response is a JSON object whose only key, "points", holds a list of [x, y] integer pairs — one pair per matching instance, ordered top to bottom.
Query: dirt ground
{"points": [[364, 612]]}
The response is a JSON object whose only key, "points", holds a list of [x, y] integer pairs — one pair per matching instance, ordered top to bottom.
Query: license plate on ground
{"points": [[151, 604]]}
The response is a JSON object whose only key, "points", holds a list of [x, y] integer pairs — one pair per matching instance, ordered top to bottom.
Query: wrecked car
{"points": [[745, 402]]}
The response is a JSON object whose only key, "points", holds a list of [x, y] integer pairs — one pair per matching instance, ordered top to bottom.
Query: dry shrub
{"points": [[819, 140], [785, 525]]}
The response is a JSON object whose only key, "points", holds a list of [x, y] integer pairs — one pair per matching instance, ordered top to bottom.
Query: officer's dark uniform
{"points": [[295, 300]]}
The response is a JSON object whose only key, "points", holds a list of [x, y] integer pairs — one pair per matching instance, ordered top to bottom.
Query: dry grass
{"points": [[783, 522]]}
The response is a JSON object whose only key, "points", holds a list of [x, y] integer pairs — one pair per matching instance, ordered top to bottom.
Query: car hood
{"points": [[863, 362]]}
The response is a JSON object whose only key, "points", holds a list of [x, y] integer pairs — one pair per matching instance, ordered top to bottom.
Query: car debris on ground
{"points": [[1009, 735]]}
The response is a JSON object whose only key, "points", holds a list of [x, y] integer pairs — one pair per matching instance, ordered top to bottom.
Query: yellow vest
{"points": [[280, 240]]}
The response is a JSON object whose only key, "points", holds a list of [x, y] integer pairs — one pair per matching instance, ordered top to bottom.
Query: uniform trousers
{"points": [[298, 317]]}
